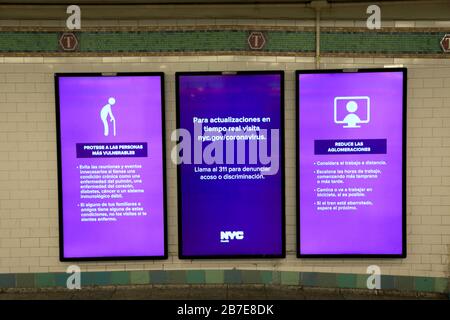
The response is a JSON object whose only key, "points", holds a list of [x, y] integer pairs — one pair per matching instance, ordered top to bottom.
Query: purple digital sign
{"points": [[351, 162], [111, 169], [231, 170]]}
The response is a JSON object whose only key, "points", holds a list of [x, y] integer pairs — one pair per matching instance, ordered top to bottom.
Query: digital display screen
{"points": [[351, 162], [230, 164], [111, 166]]}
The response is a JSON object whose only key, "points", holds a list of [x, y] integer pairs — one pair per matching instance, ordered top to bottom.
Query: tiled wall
{"points": [[28, 184]]}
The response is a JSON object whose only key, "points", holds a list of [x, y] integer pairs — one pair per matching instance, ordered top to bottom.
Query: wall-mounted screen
{"points": [[351, 128], [110, 133], [231, 166]]}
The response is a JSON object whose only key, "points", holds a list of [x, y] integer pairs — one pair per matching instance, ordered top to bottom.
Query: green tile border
{"points": [[336, 41], [382, 42], [176, 276], [195, 276], [214, 276], [233, 276], [139, 277], [158, 277], [251, 277], [266, 277], [95, 278], [120, 278], [290, 278], [61, 279], [309, 279], [8, 280], [25, 280], [45, 280], [327, 280], [346, 280], [361, 281], [388, 282], [406, 283], [424, 284], [442, 285]]}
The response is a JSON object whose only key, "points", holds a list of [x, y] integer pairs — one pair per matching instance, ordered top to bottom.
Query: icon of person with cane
{"points": [[106, 110]]}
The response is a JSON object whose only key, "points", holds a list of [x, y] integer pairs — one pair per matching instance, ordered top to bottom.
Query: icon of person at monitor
{"points": [[104, 113], [352, 119]]}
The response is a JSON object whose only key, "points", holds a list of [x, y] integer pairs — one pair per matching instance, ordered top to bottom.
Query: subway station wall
{"points": [[29, 240]]}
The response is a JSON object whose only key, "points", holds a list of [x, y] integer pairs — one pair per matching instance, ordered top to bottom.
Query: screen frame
{"points": [[404, 71], [57, 76], [282, 167]]}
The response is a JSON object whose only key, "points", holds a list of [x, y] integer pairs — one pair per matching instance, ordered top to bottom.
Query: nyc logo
{"points": [[226, 236]]}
